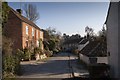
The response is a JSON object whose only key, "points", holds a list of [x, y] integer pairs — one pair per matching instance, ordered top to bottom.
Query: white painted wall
{"points": [[112, 40], [119, 41], [84, 58], [99, 59], [102, 60]]}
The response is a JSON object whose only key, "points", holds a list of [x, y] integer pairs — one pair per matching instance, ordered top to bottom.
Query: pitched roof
{"points": [[108, 12], [24, 18], [83, 41], [88, 47], [95, 48], [100, 50]]}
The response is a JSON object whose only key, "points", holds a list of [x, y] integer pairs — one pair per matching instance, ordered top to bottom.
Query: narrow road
{"points": [[55, 67]]}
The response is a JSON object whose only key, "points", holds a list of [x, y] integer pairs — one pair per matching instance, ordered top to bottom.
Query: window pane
{"points": [[26, 29], [32, 32]]}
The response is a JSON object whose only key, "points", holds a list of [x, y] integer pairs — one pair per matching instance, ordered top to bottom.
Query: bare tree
{"points": [[31, 12], [89, 31]]}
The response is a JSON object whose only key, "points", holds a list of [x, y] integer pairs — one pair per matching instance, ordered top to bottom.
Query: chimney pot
{"points": [[19, 10]]}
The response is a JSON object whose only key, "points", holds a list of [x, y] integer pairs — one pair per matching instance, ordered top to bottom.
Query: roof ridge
{"points": [[23, 18], [81, 40]]}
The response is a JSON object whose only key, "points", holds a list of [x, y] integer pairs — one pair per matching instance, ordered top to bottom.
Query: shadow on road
{"points": [[57, 66], [53, 67]]}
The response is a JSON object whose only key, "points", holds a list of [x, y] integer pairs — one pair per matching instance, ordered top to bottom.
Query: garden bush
{"points": [[38, 50], [55, 51], [20, 53], [48, 53], [27, 54], [11, 65], [17, 65]]}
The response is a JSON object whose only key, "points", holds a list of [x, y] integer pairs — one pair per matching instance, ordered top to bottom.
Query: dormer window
{"points": [[27, 30]]}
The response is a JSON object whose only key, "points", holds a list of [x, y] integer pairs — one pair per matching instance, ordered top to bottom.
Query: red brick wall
{"points": [[13, 30], [16, 30], [38, 34], [25, 36]]}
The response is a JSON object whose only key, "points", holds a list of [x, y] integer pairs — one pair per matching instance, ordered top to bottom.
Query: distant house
{"points": [[23, 32], [113, 41], [71, 43], [82, 44], [94, 52]]}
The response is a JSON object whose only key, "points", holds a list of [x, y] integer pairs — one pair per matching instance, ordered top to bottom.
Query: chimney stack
{"points": [[19, 11]]}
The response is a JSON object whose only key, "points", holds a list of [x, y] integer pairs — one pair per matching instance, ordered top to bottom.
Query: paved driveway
{"points": [[55, 67]]}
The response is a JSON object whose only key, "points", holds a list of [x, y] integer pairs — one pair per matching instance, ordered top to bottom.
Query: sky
{"points": [[69, 17]]}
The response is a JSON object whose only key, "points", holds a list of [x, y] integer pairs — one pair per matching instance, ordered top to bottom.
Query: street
{"points": [[58, 66], [55, 67]]}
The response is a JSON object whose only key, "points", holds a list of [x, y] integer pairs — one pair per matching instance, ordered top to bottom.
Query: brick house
{"points": [[23, 32]]}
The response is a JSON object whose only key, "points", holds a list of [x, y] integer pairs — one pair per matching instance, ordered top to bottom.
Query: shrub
{"points": [[38, 50], [55, 51], [20, 53], [48, 53], [24, 54], [27, 54], [11, 62], [11, 65], [17, 65], [7, 75]]}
